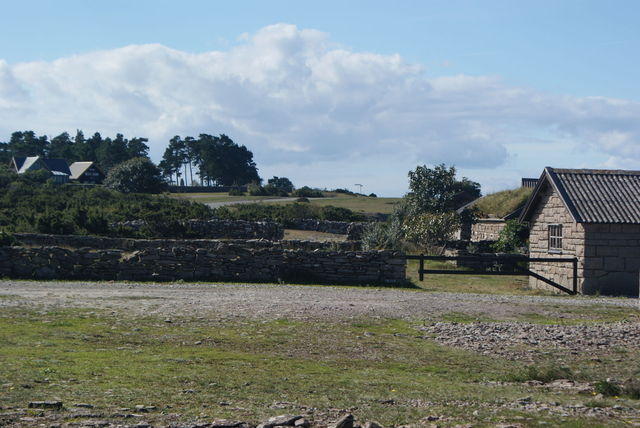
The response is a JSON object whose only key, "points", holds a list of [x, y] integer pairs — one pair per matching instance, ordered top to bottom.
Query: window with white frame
{"points": [[555, 237]]}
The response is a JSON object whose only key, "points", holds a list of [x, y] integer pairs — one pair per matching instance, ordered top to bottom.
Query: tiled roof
{"points": [[59, 165], [594, 195]]}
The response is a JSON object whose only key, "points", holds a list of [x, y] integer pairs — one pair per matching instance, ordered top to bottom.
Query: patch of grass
{"points": [[219, 197], [502, 203], [361, 204], [311, 235], [484, 284], [191, 365], [544, 374]]}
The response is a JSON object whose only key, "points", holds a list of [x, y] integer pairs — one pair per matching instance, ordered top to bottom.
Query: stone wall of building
{"points": [[551, 210], [217, 229], [484, 229], [487, 229], [101, 242], [225, 262], [611, 263]]}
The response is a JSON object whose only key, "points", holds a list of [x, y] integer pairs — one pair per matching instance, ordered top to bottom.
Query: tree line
{"points": [[106, 152], [211, 160]]}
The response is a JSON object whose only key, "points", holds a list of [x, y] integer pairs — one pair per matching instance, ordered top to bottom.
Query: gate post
{"points": [[421, 269], [575, 275]]}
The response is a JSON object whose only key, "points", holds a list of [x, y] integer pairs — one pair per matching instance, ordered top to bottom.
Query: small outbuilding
{"points": [[86, 172], [593, 215]]}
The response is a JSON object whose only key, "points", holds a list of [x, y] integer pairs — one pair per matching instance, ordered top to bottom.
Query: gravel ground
{"points": [[275, 301]]}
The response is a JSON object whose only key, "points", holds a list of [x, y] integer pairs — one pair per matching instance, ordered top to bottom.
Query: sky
{"points": [[335, 93]]}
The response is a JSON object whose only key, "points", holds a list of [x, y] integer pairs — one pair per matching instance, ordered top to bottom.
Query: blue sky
{"points": [[565, 53]]}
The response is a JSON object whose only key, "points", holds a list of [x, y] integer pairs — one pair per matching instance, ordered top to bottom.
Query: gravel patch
{"points": [[265, 301], [521, 341]]}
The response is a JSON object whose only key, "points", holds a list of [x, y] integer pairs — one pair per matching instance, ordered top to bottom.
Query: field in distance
{"points": [[362, 204]]}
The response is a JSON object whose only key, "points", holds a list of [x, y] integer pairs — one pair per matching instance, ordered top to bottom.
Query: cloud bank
{"points": [[321, 113]]}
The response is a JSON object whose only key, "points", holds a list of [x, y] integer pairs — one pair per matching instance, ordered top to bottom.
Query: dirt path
{"points": [[276, 301]]}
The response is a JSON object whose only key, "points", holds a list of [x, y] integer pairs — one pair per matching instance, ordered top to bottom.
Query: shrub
{"points": [[137, 175], [282, 185], [255, 189], [271, 190], [236, 191], [308, 192], [373, 195], [303, 200], [428, 230], [383, 236], [512, 237], [7, 239], [542, 374], [607, 388], [631, 389]]}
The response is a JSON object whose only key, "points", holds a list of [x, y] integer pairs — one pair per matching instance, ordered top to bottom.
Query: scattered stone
{"points": [[53, 405], [85, 405], [145, 409], [283, 420], [345, 422], [302, 423], [372, 425]]}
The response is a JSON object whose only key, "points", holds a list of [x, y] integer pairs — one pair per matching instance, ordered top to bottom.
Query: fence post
{"points": [[421, 271], [575, 275]]}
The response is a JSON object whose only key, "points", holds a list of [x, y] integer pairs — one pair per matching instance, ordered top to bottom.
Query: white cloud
{"points": [[310, 108]]}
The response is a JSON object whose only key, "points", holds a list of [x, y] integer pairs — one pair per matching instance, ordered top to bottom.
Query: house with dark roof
{"points": [[59, 168], [86, 172], [593, 215]]}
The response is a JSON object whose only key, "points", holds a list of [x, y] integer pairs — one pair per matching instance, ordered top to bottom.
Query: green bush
{"points": [[137, 175], [256, 189], [236, 191], [308, 192], [286, 214], [513, 237], [7, 239], [543, 374], [607, 388], [631, 389]]}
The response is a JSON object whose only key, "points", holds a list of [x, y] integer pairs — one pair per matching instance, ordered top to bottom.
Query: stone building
{"points": [[593, 215]]}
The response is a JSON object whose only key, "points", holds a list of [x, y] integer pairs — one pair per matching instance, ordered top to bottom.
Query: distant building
{"points": [[58, 168], [86, 172], [529, 182], [590, 214]]}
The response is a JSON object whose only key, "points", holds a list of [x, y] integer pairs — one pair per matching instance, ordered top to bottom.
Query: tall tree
{"points": [[62, 147]]}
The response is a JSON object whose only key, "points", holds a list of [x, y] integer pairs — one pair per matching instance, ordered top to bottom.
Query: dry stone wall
{"points": [[221, 229], [487, 229], [353, 230], [100, 242], [225, 262]]}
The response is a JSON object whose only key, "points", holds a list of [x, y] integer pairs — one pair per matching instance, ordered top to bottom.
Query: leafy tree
{"points": [[62, 147], [223, 162], [138, 175], [279, 185], [437, 190], [429, 230], [513, 237]]}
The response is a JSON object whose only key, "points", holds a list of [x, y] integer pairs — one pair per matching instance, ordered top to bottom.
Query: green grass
{"points": [[219, 197], [502, 203], [361, 204], [311, 235], [484, 284], [190, 366]]}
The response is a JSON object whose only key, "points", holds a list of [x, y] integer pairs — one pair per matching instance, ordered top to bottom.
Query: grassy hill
{"points": [[502, 203]]}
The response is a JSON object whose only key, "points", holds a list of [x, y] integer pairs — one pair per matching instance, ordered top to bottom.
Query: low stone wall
{"points": [[217, 229], [352, 229], [487, 229], [101, 242], [225, 262]]}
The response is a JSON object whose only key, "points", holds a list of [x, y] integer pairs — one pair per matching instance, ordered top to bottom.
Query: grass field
{"points": [[220, 197], [362, 204], [249, 370]]}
